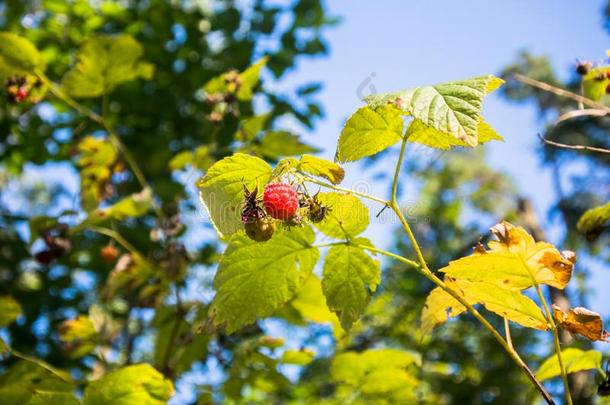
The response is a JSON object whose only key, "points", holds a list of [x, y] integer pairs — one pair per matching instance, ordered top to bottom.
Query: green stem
{"points": [[344, 190], [117, 237], [425, 271], [556, 343]]}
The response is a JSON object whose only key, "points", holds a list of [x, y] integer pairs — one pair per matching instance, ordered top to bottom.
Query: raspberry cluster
{"points": [[280, 202]]}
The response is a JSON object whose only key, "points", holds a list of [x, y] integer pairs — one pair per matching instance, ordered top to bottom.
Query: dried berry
{"points": [[260, 230]]}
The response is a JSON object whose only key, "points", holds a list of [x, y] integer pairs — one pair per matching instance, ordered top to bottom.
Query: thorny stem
{"points": [[425, 271]]}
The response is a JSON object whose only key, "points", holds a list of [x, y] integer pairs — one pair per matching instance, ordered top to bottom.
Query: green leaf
{"points": [[18, 55], [104, 62], [249, 79], [595, 82], [452, 108], [250, 127], [369, 131], [418, 132], [275, 144], [96, 156], [321, 168], [221, 190], [131, 206], [347, 217], [593, 221], [349, 277], [256, 278], [311, 303], [510, 304], [9, 310], [79, 336], [4, 349], [184, 355], [298, 357], [574, 360], [386, 373], [34, 382], [137, 384]]}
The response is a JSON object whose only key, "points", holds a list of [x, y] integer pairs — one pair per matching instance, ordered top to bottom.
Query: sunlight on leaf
{"points": [[369, 131], [321, 168], [222, 189], [348, 216], [349, 277], [254, 279], [9, 310], [574, 360]]}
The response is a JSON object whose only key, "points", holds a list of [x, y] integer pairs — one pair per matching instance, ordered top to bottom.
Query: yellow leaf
{"points": [[323, 168], [544, 261], [506, 303], [583, 322]]}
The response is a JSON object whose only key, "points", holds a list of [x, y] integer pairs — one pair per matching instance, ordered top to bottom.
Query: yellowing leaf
{"points": [[104, 62], [452, 108], [369, 131], [321, 168], [221, 190], [348, 216], [544, 261], [349, 277], [255, 278], [506, 303], [9, 310], [583, 322], [298, 357], [574, 360], [137, 384]]}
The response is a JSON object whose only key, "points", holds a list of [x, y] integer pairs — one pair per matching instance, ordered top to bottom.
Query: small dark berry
{"points": [[584, 67], [261, 230]]}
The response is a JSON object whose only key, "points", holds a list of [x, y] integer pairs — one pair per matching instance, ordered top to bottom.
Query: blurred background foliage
{"points": [[79, 314]]}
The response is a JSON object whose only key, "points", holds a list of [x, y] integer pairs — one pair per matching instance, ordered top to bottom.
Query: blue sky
{"points": [[392, 44]]}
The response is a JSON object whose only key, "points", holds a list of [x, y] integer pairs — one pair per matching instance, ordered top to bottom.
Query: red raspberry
{"points": [[21, 95], [281, 200]]}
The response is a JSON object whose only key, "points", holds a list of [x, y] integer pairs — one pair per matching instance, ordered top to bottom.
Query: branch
{"points": [[560, 92], [574, 147]]}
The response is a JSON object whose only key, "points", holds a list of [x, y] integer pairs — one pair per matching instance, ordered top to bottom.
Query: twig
{"points": [[560, 92], [594, 112], [574, 147]]}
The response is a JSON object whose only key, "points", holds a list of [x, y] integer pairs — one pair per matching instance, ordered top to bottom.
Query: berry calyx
{"points": [[281, 200], [260, 230]]}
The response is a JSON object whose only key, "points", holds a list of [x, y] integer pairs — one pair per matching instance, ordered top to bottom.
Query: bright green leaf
{"points": [[17, 55], [104, 62], [249, 79], [595, 82], [452, 108], [369, 131], [418, 132], [321, 168], [221, 190], [131, 206], [348, 216], [349, 277], [255, 278], [9, 310], [78, 335], [298, 357], [574, 360], [137, 384]]}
